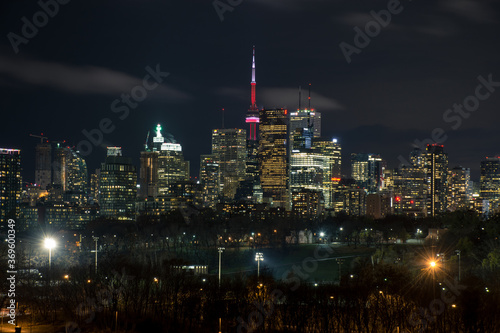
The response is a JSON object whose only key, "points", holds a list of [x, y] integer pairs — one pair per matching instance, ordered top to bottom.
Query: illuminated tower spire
{"points": [[253, 83], [252, 117]]}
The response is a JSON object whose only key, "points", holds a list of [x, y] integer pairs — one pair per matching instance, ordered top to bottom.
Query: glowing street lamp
{"points": [[50, 243], [259, 256], [432, 264]]}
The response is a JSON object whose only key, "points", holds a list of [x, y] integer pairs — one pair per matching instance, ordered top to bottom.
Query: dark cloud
{"points": [[478, 11], [77, 79]]}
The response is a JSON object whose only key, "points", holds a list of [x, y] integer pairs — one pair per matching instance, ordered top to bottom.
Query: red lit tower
{"points": [[252, 117]]}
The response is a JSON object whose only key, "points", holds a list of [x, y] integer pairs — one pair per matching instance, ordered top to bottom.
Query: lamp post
{"points": [[95, 240], [49, 244], [220, 249], [458, 253], [259, 256]]}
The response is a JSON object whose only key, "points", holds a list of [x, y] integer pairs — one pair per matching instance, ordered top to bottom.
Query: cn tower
{"points": [[252, 117]]}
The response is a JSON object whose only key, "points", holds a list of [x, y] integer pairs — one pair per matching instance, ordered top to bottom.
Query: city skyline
{"points": [[395, 91]]}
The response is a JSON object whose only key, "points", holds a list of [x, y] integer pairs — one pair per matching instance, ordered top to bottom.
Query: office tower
{"points": [[306, 118], [229, 150], [332, 152], [273, 156], [315, 164], [43, 165], [172, 167], [436, 169], [367, 171], [69, 174], [148, 175], [209, 180], [490, 181], [10, 184], [117, 186], [409, 186], [94, 187], [459, 189], [350, 198], [307, 203], [378, 205]]}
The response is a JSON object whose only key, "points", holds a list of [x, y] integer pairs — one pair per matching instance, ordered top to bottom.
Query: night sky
{"points": [[395, 90]]}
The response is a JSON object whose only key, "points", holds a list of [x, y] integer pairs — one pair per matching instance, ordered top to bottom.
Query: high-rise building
{"points": [[306, 118], [229, 150], [332, 152], [273, 156], [43, 165], [315, 165], [172, 167], [436, 169], [367, 171], [70, 174], [148, 174], [209, 180], [490, 181], [10, 184], [117, 186], [409, 186], [94, 187], [459, 189], [350, 198], [307, 203], [378, 205]]}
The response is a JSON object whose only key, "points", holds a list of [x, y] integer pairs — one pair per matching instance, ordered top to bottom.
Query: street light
{"points": [[95, 240], [49, 244], [220, 249], [458, 253], [259, 256]]}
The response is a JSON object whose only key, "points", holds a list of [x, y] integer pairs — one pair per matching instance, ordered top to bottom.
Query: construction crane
{"points": [[41, 137], [146, 144]]}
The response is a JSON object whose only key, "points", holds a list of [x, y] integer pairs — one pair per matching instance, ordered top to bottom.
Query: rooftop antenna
{"points": [[223, 118]]}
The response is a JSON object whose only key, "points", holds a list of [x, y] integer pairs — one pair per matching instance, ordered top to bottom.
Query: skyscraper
{"points": [[306, 118], [229, 150], [331, 150], [273, 156], [314, 164], [43, 165], [172, 167], [436, 170], [367, 171], [70, 174], [148, 174], [209, 180], [490, 181], [10, 184], [117, 186], [459, 189], [409, 190]]}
